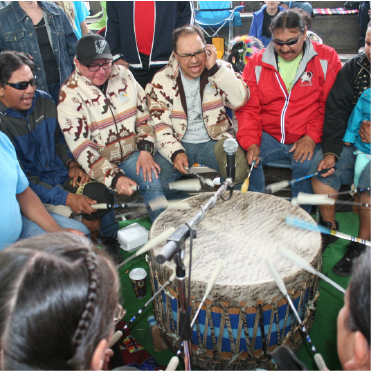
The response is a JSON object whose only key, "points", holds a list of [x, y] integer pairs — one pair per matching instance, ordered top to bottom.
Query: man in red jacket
{"points": [[289, 83]]}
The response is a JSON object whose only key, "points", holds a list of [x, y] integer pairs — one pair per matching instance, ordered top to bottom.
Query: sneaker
{"points": [[327, 239], [111, 246], [343, 267]]}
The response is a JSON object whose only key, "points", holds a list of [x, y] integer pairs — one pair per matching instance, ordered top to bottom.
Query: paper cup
{"points": [[138, 277]]}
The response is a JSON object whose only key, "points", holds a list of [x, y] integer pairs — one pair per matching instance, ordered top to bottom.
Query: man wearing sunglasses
{"points": [[289, 83], [187, 102], [103, 114]]}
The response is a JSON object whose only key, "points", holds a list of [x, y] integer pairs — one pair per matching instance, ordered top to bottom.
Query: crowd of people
{"points": [[138, 107]]}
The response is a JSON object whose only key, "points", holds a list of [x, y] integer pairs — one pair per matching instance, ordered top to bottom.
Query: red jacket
{"points": [[287, 117]]}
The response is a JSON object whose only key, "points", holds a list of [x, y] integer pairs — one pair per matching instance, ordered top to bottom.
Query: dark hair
{"points": [[306, 17], [288, 19], [186, 30], [11, 61], [360, 296], [58, 300]]}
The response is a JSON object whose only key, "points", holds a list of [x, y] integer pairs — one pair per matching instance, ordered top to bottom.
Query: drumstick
{"points": [[206, 181], [191, 185], [245, 185], [275, 187], [351, 192], [322, 199], [162, 203], [116, 206], [301, 224], [150, 245], [305, 265], [217, 270], [280, 283], [161, 288], [115, 339], [173, 364]]}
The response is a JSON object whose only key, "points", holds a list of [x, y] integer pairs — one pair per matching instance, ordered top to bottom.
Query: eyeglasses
{"points": [[288, 43], [188, 57], [96, 67], [23, 85], [119, 314]]}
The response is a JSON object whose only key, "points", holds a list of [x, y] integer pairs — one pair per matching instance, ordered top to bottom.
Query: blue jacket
{"points": [[256, 26], [120, 32], [17, 33], [361, 112], [40, 146]]}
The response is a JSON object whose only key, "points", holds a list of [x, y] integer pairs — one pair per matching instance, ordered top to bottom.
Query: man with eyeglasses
{"points": [[289, 83], [187, 102], [103, 114]]}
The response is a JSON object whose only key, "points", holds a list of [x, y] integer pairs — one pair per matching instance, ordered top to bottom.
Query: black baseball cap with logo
{"points": [[92, 47]]}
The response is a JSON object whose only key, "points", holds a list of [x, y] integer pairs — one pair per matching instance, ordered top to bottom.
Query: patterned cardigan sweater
{"points": [[219, 87], [103, 130]]}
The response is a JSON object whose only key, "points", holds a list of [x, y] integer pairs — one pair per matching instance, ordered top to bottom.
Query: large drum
{"points": [[245, 316]]}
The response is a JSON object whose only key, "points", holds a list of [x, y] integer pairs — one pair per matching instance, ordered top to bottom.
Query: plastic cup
{"points": [[138, 277]]}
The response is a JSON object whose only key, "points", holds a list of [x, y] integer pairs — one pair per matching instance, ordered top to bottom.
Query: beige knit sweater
{"points": [[102, 130]]}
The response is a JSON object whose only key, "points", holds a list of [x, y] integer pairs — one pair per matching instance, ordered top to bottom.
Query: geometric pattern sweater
{"points": [[219, 87], [103, 130]]}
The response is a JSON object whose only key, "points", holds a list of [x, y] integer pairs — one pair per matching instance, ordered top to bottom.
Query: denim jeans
{"points": [[54, 91], [271, 149], [202, 153], [129, 168], [108, 225], [30, 229]]}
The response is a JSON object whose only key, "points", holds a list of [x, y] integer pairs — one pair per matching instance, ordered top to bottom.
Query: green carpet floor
{"points": [[323, 332]]}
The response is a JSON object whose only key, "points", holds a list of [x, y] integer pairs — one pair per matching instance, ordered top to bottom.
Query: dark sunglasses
{"points": [[288, 43], [22, 85]]}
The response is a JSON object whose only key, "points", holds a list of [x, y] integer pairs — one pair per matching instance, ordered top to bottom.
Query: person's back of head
{"points": [[58, 300]]}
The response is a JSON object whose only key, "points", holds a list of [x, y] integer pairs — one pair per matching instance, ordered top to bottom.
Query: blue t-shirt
{"points": [[81, 14], [12, 182]]}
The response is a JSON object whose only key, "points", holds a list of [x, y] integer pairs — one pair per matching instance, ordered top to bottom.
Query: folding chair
{"points": [[216, 14]]}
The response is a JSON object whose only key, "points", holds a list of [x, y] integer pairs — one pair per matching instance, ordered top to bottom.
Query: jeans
{"points": [[363, 21], [54, 91], [271, 149], [202, 153], [129, 168], [344, 173], [107, 221], [30, 229]]}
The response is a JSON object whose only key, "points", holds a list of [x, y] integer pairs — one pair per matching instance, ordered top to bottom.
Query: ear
{"points": [[1, 91], [99, 355], [361, 359]]}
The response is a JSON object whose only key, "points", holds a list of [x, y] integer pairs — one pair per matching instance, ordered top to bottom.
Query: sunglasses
{"points": [[288, 43], [188, 57], [23, 85]]}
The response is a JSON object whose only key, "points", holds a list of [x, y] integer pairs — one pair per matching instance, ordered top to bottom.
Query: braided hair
{"points": [[58, 300]]}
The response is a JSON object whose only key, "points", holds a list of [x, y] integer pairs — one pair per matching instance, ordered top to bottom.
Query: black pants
{"points": [[363, 21], [145, 74]]}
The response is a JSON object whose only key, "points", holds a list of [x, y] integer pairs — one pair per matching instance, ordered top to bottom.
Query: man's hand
{"points": [[211, 52], [121, 62], [365, 131], [303, 149], [252, 154], [146, 161], [180, 162], [327, 162], [75, 171], [123, 186], [80, 204]]}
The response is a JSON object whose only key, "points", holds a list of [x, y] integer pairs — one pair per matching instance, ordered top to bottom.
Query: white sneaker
{"points": [[361, 50]]}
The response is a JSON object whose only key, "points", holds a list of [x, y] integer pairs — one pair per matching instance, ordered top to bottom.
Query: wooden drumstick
{"points": [[206, 181], [192, 185], [245, 185], [323, 199], [162, 203], [116, 206], [301, 224], [150, 245], [305, 265], [217, 270], [280, 283], [115, 339], [173, 364]]}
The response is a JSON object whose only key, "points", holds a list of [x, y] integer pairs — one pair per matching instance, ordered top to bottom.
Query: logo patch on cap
{"points": [[100, 46]]}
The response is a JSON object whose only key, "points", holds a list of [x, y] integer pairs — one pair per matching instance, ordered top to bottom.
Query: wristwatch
{"points": [[147, 147]]}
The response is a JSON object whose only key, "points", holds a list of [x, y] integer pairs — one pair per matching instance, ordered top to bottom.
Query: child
{"points": [[262, 19], [361, 112]]}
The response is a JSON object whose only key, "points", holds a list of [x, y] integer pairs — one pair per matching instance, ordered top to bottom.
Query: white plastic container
{"points": [[131, 238]]}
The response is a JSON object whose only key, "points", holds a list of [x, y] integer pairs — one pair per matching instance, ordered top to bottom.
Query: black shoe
{"points": [[327, 239], [110, 245], [343, 267]]}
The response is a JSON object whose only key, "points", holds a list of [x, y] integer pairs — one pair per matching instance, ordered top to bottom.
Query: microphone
{"points": [[230, 146]]}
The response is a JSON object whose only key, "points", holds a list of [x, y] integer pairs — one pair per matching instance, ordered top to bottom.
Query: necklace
{"points": [[289, 88]]}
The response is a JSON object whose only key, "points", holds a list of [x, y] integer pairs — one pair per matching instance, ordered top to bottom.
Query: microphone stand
{"points": [[175, 247]]}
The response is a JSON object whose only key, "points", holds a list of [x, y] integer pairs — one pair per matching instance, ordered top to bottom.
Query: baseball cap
{"points": [[92, 47]]}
